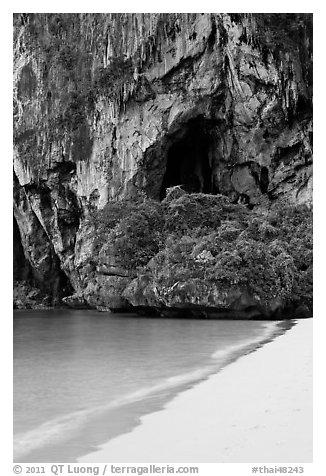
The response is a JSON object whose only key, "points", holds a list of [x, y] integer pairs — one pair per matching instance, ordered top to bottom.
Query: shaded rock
{"points": [[106, 292], [27, 297], [194, 299], [76, 301], [302, 311]]}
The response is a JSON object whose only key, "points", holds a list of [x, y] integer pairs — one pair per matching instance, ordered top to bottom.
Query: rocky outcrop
{"points": [[112, 106], [219, 260], [26, 296]]}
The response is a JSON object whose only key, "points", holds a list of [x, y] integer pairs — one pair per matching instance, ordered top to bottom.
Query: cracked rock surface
{"points": [[111, 107]]}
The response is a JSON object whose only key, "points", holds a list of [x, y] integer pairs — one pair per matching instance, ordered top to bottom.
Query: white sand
{"points": [[256, 410]]}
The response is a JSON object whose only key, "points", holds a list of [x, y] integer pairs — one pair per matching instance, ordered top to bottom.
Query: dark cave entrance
{"points": [[188, 159], [264, 179]]}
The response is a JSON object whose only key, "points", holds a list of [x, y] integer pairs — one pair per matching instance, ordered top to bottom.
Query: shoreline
{"points": [[202, 313], [256, 409], [109, 422]]}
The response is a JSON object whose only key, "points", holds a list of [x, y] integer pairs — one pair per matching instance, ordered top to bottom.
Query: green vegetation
{"points": [[283, 30], [109, 80], [133, 227], [199, 242]]}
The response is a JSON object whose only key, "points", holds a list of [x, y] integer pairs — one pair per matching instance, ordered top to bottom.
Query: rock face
{"points": [[109, 107]]}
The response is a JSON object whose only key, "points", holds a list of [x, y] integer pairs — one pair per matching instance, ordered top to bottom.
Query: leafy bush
{"points": [[283, 30], [108, 80], [200, 211], [134, 227], [137, 237], [198, 242]]}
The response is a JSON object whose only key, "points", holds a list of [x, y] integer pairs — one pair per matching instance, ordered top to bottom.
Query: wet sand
{"points": [[257, 409]]}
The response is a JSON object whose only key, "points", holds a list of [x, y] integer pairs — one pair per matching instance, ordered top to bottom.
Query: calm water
{"points": [[81, 377]]}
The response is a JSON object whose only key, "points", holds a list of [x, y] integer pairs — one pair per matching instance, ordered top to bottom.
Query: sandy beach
{"points": [[257, 409]]}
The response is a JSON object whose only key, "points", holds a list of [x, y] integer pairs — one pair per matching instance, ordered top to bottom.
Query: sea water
{"points": [[83, 377]]}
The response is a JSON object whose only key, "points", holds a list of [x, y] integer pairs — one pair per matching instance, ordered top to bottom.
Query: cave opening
{"points": [[189, 159], [264, 181]]}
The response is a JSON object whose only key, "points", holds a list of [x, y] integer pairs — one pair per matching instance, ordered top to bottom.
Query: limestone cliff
{"points": [[109, 107]]}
